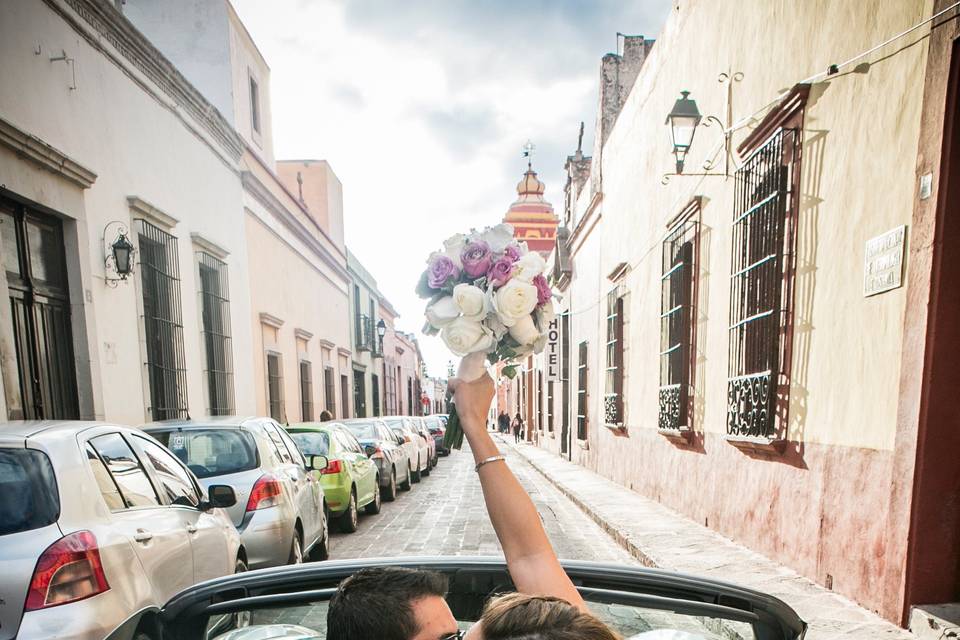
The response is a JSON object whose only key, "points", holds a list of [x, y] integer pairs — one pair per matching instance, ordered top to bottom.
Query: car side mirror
{"points": [[370, 450], [317, 463], [221, 496]]}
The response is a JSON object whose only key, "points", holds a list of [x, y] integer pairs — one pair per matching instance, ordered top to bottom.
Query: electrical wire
{"points": [[831, 70]]}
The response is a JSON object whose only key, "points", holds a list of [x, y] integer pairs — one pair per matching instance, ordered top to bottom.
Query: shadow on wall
{"points": [[696, 442]]}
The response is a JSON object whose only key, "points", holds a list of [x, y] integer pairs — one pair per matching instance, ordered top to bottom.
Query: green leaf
{"points": [[423, 286], [430, 330], [510, 371]]}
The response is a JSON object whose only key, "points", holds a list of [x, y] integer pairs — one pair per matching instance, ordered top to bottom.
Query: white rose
{"points": [[498, 237], [453, 247], [529, 266], [515, 300], [471, 301], [442, 312], [545, 315], [525, 331], [463, 336]]}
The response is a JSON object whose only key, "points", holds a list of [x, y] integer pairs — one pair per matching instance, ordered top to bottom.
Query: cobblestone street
{"points": [[444, 515]]}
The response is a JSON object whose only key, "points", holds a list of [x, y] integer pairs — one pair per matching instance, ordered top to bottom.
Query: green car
{"points": [[351, 480]]}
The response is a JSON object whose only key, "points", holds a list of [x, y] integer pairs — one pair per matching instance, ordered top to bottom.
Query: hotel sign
{"points": [[883, 262], [551, 353]]}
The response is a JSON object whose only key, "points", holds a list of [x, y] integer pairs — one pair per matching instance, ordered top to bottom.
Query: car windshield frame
{"points": [[367, 424], [163, 436], [473, 581]]}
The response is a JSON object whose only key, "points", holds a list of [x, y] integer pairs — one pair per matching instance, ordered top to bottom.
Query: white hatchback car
{"points": [[99, 526]]}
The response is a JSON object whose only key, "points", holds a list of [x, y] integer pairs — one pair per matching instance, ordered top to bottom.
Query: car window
{"points": [[365, 430], [277, 441], [349, 442], [312, 443], [211, 452], [295, 452], [126, 470], [174, 479], [108, 488], [29, 498]]}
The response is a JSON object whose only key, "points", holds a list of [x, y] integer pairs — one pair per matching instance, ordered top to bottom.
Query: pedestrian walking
{"points": [[503, 422], [517, 428]]}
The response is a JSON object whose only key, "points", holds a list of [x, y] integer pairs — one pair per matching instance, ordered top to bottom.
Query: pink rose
{"points": [[512, 252], [476, 258], [439, 270], [500, 272], [543, 289]]}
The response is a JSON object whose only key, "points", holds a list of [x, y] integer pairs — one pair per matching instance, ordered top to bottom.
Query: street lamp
{"points": [[683, 120], [119, 253], [381, 331]]}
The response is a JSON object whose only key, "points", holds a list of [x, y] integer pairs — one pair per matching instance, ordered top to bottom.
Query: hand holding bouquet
{"points": [[489, 300]]}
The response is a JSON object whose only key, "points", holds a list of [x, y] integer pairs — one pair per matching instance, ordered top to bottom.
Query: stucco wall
{"points": [[121, 126], [821, 507]]}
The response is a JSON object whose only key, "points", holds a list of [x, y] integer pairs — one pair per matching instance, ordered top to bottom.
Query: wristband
{"points": [[488, 460]]}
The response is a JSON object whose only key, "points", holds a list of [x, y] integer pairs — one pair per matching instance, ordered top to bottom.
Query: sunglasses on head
{"points": [[459, 635]]}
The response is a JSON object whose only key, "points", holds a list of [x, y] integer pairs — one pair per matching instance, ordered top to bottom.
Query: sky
{"points": [[422, 109]]}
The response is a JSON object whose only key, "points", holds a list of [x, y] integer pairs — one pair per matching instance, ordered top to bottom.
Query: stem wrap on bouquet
{"points": [[472, 367]]}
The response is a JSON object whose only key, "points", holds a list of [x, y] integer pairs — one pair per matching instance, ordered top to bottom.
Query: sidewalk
{"points": [[659, 537]]}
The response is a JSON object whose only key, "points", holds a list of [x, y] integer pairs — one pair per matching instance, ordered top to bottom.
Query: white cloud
{"points": [[421, 109]]}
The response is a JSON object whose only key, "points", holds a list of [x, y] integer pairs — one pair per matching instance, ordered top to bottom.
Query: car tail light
{"points": [[333, 466], [266, 493], [69, 570]]}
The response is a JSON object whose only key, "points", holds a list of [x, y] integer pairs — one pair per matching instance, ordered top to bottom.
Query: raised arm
{"points": [[530, 557]]}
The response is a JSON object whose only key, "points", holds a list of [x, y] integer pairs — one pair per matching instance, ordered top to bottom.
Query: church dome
{"points": [[530, 185], [532, 217]]}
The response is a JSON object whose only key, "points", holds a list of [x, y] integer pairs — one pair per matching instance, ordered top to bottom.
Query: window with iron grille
{"points": [[254, 105], [761, 284], [215, 304], [357, 316], [163, 322], [676, 324], [565, 384], [275, 386], [375, 389], [306, 390], [582, 392], [329, 393], [359, 395], [613, 395], [539, 401], [550, 406]]}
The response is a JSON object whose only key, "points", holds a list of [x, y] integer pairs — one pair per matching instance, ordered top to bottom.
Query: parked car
{"points": [[437, 425], [420, 426], [415, 444], [388, 452], [350, 481], [280, 510], [99, 527], [638, 603]]}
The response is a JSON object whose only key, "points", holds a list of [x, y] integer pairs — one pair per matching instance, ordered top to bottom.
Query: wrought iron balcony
{"points": [[366, 335]]}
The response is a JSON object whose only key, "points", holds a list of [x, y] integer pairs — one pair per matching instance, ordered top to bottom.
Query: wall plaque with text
{"points": [[883, 261], [552, 352]]}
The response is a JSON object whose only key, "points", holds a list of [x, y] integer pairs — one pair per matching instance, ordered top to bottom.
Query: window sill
{"points": [[617, 429], [684, 434], [584, 444], [756, 444]]}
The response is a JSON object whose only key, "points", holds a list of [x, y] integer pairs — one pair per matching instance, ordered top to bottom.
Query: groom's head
{"points": [[391, 603]]}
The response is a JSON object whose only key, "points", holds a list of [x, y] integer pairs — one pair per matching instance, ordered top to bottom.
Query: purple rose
{"points": [[512, 252], [476, 258], [439, 270], [500, 272], [543, 289]]}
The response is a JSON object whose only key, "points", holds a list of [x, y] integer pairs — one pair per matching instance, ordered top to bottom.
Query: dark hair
{"points": [[325, 416], [377, 603], [519, 616]]}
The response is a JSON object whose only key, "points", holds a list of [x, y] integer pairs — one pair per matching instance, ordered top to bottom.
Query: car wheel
{"points": [[417, 473], [405, 486], [389, 493], [374, 507], [348, 521], [296, 549], [321, 550]]}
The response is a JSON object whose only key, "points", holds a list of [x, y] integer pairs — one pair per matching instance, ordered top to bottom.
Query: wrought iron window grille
{"points": [[761, 287], [163, 322], [677, 324], [218, 345], [582, 371], [275, 386], [306, 390], [613, 406]]}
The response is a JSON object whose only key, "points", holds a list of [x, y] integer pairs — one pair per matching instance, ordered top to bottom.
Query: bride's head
{"points": [[522, 617]]}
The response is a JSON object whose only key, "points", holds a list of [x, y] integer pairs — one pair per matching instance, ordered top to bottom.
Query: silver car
{"points": [[415, 444], [387, 450], [280, 511], [99, 526]]}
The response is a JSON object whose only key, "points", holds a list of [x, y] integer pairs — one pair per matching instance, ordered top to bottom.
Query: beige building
{"points": [[103, 143], [292, 219], [745, 342]]}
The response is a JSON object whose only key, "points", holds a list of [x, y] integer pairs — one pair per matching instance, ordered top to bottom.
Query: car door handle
{"points": [[191, 528], [142, 535]]}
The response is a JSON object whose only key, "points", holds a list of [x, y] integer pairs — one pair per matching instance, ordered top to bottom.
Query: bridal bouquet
{"points": [[489, 301]]}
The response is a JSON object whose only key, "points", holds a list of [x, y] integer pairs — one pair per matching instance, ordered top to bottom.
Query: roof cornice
{"points": [[133, 47]]}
